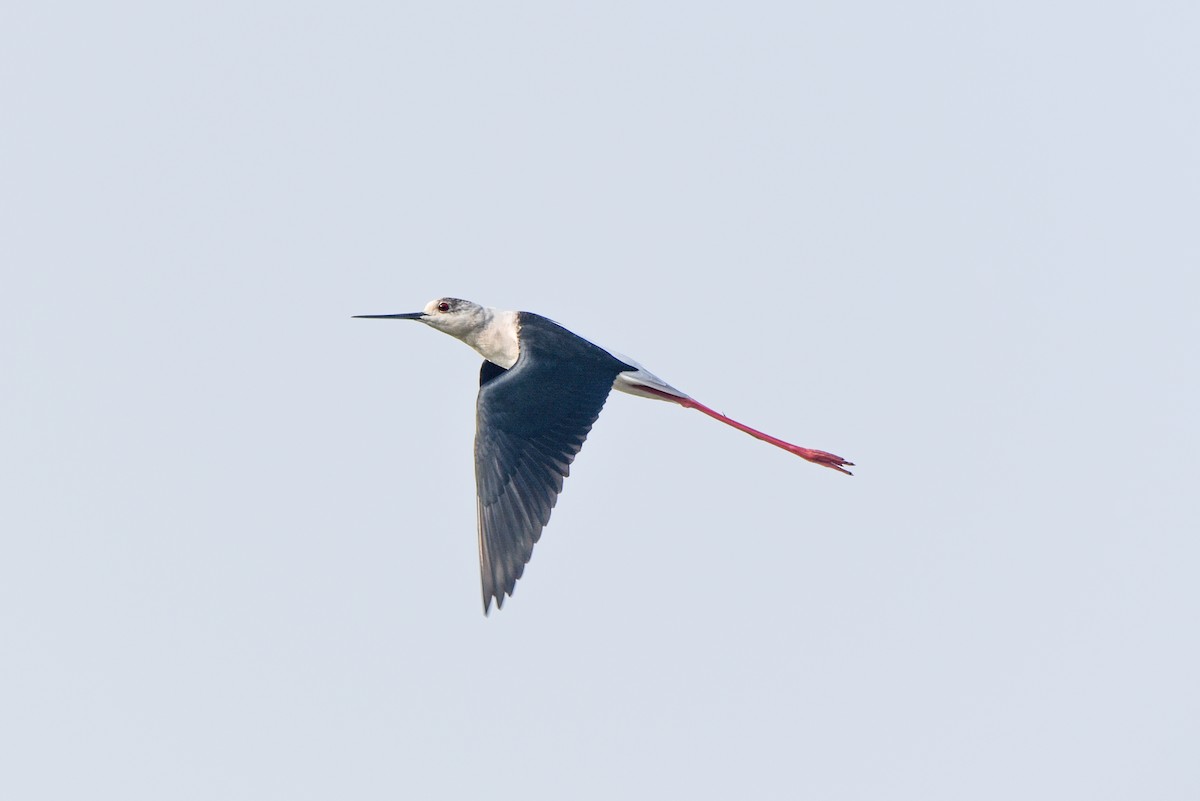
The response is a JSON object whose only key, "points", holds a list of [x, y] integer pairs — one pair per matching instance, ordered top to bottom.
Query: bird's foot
{"points": [[823, 458]]}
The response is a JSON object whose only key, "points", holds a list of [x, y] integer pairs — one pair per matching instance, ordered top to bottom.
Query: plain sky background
{"points": [[954, 242]]}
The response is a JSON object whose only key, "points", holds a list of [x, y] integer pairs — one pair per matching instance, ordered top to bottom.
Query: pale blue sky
{"points": [[955, 243]]}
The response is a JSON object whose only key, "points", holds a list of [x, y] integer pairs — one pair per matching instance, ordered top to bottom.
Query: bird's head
{"points": [[453, 316]]}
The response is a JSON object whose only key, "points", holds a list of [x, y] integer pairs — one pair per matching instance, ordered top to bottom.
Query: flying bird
{"points": [[541, 388]]}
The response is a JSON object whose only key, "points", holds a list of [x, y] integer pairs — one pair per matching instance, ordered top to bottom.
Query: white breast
{"points": [[496, 340]]}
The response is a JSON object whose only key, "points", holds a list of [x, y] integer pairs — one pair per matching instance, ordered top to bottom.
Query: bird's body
{"points": [[541, 388]]}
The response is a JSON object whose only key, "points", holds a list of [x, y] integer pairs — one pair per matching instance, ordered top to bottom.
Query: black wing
{"points": [[531, 422]]}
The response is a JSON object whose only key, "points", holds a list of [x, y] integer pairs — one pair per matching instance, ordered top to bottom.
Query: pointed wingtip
{"points": [[487, 602]]}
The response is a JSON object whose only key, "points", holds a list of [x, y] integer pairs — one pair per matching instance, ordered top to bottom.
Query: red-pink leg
{"points": [[822, 458]]}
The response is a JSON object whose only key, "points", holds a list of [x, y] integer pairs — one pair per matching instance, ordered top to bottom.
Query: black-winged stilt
{"points": [[541, 388]]}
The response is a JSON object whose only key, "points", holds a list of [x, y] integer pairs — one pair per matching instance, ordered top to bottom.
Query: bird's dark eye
{"points": [[444, 306]]}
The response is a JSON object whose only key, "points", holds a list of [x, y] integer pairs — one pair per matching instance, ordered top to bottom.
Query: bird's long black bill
{"points": [[408, 316]]}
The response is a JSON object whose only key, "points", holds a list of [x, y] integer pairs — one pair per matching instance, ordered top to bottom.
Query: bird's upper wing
{"points": [[531, 422]]}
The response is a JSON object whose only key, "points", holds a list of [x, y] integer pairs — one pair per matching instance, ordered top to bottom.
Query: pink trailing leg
{"points": [[823, 458]]}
